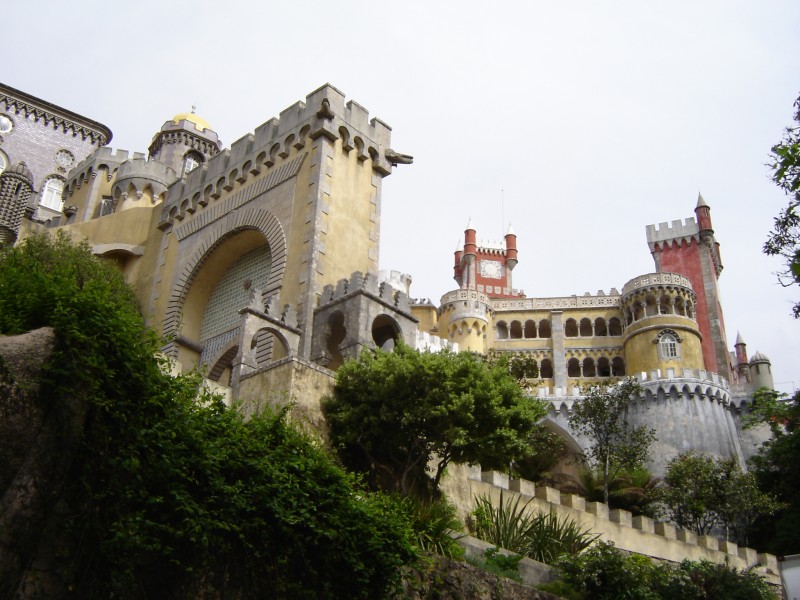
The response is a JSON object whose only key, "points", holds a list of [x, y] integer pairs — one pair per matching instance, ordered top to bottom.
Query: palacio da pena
{"points": [[259, 264]]}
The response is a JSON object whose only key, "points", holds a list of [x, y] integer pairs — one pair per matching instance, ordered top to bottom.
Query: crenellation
{"points": [[242, 148]]}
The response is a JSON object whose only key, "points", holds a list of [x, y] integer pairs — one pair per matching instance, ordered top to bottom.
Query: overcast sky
{"points": [[577, 122]]}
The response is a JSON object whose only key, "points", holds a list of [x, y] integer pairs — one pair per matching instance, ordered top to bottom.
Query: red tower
{"points": [[690, 248], [486, 266]]}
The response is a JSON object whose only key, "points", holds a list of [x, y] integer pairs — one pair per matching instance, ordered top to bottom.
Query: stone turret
{"points": [[184, 143], [16, 187], [661, 330], [761, 371]]}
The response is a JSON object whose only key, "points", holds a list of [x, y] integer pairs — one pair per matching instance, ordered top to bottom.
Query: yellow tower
{"points": [[661, 327]]}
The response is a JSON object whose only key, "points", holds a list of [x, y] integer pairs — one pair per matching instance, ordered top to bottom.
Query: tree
{"points": [[784, 241], [402, 417], [614, 445], [777, 469], [702, 492], [167, 493]]}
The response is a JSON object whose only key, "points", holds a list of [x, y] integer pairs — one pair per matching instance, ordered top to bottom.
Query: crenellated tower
{"points": [[184, 143], [690, 249]]}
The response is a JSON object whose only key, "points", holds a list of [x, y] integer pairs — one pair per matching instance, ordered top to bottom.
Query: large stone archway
{"points": [[253, 219]]}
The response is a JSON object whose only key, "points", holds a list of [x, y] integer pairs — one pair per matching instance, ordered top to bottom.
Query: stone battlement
{"points": [[324, 114], [102, 158], [675, 231], [656, 279], [361, 283], [599, 300], [433, 343], [693, 382], [639, 534]]}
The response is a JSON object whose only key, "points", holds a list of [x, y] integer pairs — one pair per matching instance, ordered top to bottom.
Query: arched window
{"points": [[191, 161], [51, 194], [665, 305], [614, 326], [600, 327], [571, 328], [586, 328], [530, 329], [544, 329], [502, 330], [516, 330], [668, 345], [603, 367], [618, 367], [573, 368], [588, 368], [546, 369]]}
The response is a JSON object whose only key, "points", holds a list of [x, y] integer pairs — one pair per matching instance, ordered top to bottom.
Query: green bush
{"points": [[171, 494], [436, 527], [502, 565], [605, 573]]}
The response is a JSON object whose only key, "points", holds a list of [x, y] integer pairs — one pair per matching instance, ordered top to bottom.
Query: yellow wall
{"points": [[641, 354]]}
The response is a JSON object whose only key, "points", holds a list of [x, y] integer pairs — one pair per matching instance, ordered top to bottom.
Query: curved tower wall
{"points": [[466, 316], [661, 329]]}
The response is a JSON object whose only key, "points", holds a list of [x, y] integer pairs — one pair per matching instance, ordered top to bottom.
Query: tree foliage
{"points": [[784, 240], [402, 417], [614, 444], [777, 468], [702, 492], [172, 495], [605, 573]]}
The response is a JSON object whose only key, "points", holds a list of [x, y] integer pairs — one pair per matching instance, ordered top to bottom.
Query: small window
{"points": [[6, 124], [191, 161], [190, 164], [51, 194], [106, 206], [668, 345]]}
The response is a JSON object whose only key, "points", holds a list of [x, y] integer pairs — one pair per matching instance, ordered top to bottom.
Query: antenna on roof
{"points": [[502, 211]]}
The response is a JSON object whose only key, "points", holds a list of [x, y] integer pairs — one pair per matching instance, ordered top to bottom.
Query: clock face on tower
{"points": [[491, 269]]}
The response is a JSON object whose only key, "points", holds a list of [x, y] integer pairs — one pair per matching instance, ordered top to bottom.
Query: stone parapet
{"points": [[324, 114], [675, 231], [655, 280], [600, 300], [660, 541]]}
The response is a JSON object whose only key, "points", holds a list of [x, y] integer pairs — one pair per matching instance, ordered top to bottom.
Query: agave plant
{"points": [[505, 525], [540, 536]]}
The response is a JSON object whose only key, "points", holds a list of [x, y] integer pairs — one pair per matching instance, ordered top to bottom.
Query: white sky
{"points": [[595, 118]]}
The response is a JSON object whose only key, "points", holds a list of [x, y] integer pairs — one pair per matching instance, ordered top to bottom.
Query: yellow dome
{"points": [[200, 124]]}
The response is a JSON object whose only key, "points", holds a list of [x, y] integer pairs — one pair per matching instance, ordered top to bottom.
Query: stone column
{"points": [[559, 359]]}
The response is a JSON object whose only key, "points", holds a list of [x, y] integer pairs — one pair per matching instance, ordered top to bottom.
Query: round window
{"points": [[6, 124]]}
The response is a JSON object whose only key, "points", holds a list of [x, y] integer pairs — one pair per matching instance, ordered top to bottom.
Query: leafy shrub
{"points": [[171, 495], [436, 527], [540, 536], [502, 565], [605, 573]]}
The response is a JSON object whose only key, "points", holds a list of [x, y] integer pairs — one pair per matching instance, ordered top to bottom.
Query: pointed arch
{"points": [[260, 220]]}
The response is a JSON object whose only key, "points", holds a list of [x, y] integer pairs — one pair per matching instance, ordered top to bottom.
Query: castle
{"points": [[259, 263]]}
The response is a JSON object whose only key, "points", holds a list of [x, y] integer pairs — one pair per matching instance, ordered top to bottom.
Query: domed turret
{"points": [[199, 123], [184, 143], [761, 371]]}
